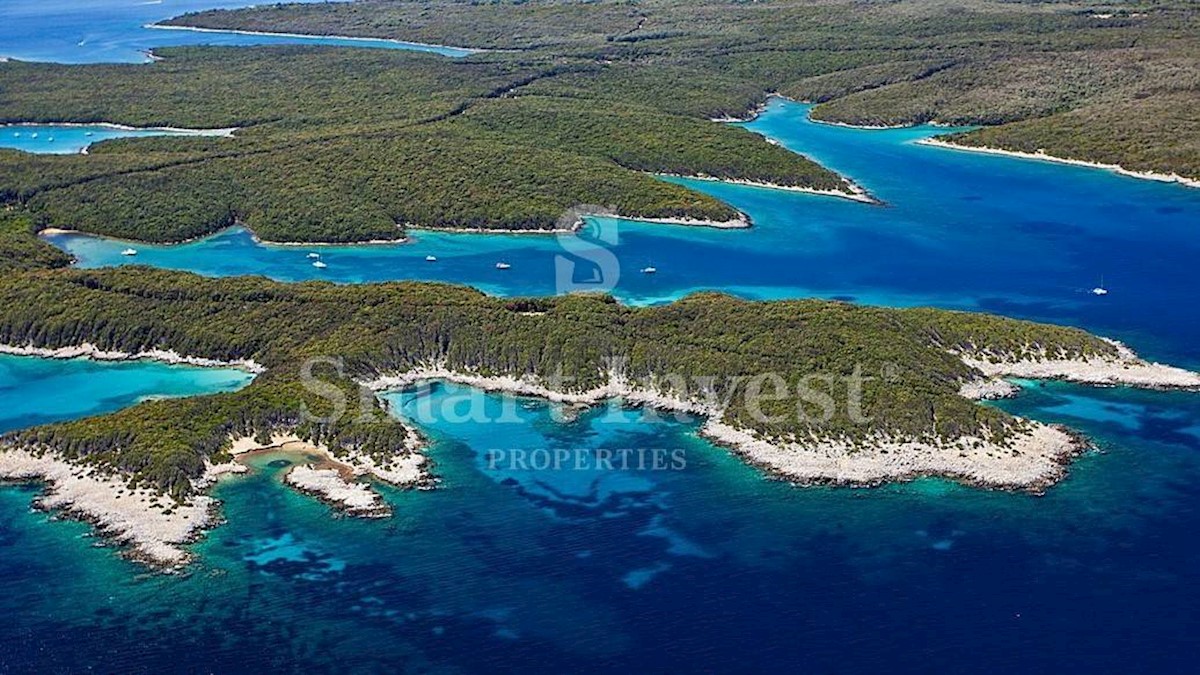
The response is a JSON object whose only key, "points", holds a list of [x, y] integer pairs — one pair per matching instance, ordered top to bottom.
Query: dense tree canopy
{"points": [[910, 388]]}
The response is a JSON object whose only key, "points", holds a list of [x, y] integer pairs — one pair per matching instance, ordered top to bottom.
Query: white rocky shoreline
{"points": [[314, 36], [1042, 156], [853, 192], [90, 351], [1124, 368], [1042, 450], [1033, 457], [336, 480], [153, 526]]}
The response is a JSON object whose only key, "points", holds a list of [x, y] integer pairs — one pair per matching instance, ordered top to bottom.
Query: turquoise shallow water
{"points": [[69, 31], [64, 139], [960, 230], [38, 391], [707, 567]]}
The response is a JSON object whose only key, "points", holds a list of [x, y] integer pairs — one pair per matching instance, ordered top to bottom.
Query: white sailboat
{"points": [[129, 251], [314, 255], [430, 258], [320, 265], [502, 266], [649, 270], [1100, 290]]}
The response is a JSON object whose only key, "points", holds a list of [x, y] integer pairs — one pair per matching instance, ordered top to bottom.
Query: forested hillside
{"points": [[1109, 82], [354, 145], [910, 387]]}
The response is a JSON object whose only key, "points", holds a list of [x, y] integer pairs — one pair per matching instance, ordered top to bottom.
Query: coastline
{"points": [[311, 36], [751, 114], [226, 132], [1115, 168], [856, 193], [740, 222], [53, 231], [90, 351], [1123, 369], [1029, 456], [1035, 459], [336, 481], [154, 528]]}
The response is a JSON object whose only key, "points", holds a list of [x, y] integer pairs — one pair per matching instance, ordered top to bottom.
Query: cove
{"points": [[105, 31], [65, 139], [959, 230], [37, 390], [550, 572]]}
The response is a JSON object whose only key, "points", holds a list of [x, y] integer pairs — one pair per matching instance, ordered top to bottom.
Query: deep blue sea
{"points": [[709, 567]]}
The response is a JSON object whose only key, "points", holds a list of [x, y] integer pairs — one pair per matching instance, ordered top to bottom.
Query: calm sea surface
{"points": [[709, 567]]}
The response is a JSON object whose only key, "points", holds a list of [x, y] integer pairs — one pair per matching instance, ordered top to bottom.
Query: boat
{"points": [[87, 133], [34, 135], [50, 140], [129, 251], [314, 255], [430, 258], [320, 265], [502, 266], [649, 270], [1100, 290]]}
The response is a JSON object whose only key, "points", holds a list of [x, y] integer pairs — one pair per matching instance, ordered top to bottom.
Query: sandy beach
{"points": [[1147, 175], [337, 480]]}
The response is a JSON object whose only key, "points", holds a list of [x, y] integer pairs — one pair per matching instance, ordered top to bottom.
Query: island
{"points": [[1109, 84], [561, 105], [898, 384]]}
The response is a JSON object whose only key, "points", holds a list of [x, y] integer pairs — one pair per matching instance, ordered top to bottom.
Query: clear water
{"points": [[92, 31], [67, 139], [960, 230], [39, 391], [710, 568]]}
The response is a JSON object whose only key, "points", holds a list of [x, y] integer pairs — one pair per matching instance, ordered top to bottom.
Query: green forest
{"points": [[1109, 82], [574, 102], [577, 102], [345, 145], [910, 388]]}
